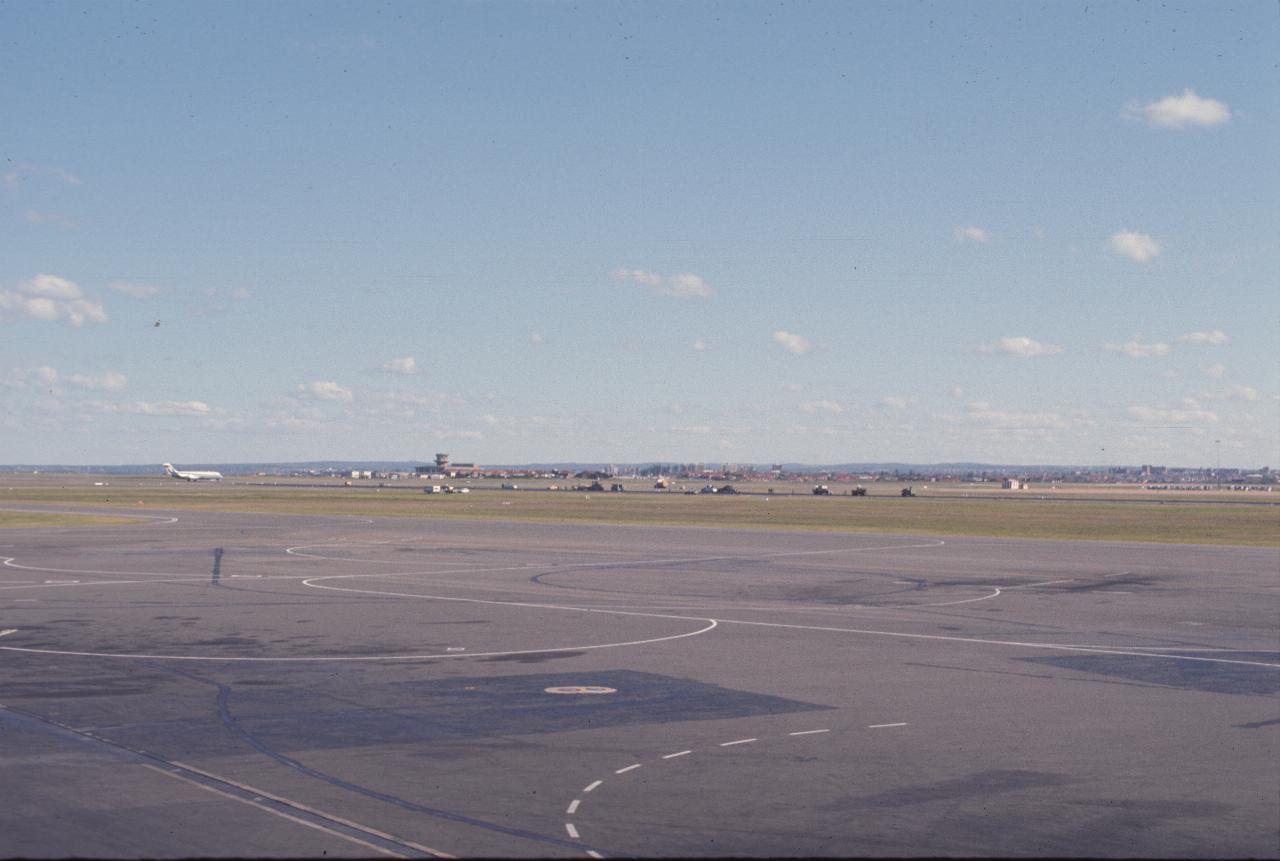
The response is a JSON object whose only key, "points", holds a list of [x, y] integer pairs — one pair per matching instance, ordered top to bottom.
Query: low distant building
{"points": [[1013, 484]]}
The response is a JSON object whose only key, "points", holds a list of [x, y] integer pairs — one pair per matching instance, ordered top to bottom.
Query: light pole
{"points": [[1217, 471]]}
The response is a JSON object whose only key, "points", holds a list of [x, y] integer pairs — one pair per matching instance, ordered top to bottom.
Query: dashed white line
{"points": [[883, 725], [809, 732], [739, 741], [668, 756], [631, 767], [592, 785], [573, 807], [573, 832], [594, 854]]}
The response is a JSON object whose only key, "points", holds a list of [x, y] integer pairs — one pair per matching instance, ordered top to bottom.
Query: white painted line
{"points": [[1112, 592], [33, 600], [7, 631], [976, 641], [883, 725], [809, 732], [739, 741], [668, 756], [632, 767], [591, 786], [300, 806], [573, 807], [273, 811], [573, 832], [594, 854]]}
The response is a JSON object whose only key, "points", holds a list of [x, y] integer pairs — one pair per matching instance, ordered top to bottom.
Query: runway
{"points": [[226, 685]]}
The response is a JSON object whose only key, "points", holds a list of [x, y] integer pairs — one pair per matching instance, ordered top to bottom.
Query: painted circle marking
{"points": [[581, 689]]}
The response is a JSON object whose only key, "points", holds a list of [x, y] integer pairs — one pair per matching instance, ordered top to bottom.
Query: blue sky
{"points": [[537, 231]]}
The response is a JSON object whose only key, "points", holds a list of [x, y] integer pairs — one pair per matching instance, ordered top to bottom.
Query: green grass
{"points": [[30, 519], [1207, 522]]}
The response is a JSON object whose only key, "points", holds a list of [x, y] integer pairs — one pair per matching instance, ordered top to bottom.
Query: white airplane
{"points": [[191, 475]]}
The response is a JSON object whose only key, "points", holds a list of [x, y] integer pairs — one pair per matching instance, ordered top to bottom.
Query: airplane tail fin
{"points": [[168, 469]]}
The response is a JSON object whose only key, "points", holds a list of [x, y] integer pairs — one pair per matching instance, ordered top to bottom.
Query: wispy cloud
{"points": [[1180, 112], [21, 173], [33, 216], [972, 233], [1138, 247], [681, 286], [134, 291], [48, 297], [1215, 338], [792, 342], [699, 345], [1021, 346], [1138, 350], [405, 365], [1217, 371], [16, 378], [107, 381], [326, 390], [898, 402], [823, 406], [157, 408], [1189, 412], [982, 413]]}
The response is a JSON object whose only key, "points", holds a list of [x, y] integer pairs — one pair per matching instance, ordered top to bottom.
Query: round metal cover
{"points": [[582, 689]]}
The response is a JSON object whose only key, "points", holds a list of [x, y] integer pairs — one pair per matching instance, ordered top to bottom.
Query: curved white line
{"points": [[163, 520], [9, 563], [995, 594], [352, 658]]}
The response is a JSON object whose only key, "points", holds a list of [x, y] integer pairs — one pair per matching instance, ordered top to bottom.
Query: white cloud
{"points": [[1180, 112], [20, 173], [32, 216], [972, 234], [1138, 247], [681, 286], [136, 291], [48, 297], [535, 338], [1215, 338], [791, 342], [699, 345], [1020, 345], [1137, 350], [404, 365], [1216, 371], [16, 378], [107, 381], [326, 391], [957, 392], [1236, 392], [897, 402], [823, 406], [161, 408], [1190, 411], [694, 429]]}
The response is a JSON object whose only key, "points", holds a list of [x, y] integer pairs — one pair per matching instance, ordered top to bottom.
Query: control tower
{"points": [[442, 461]]}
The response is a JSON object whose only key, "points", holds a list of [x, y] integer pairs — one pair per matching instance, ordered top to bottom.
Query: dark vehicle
{"points": [[728, 488], [821, 490], [858, 491], [906, 491]]}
